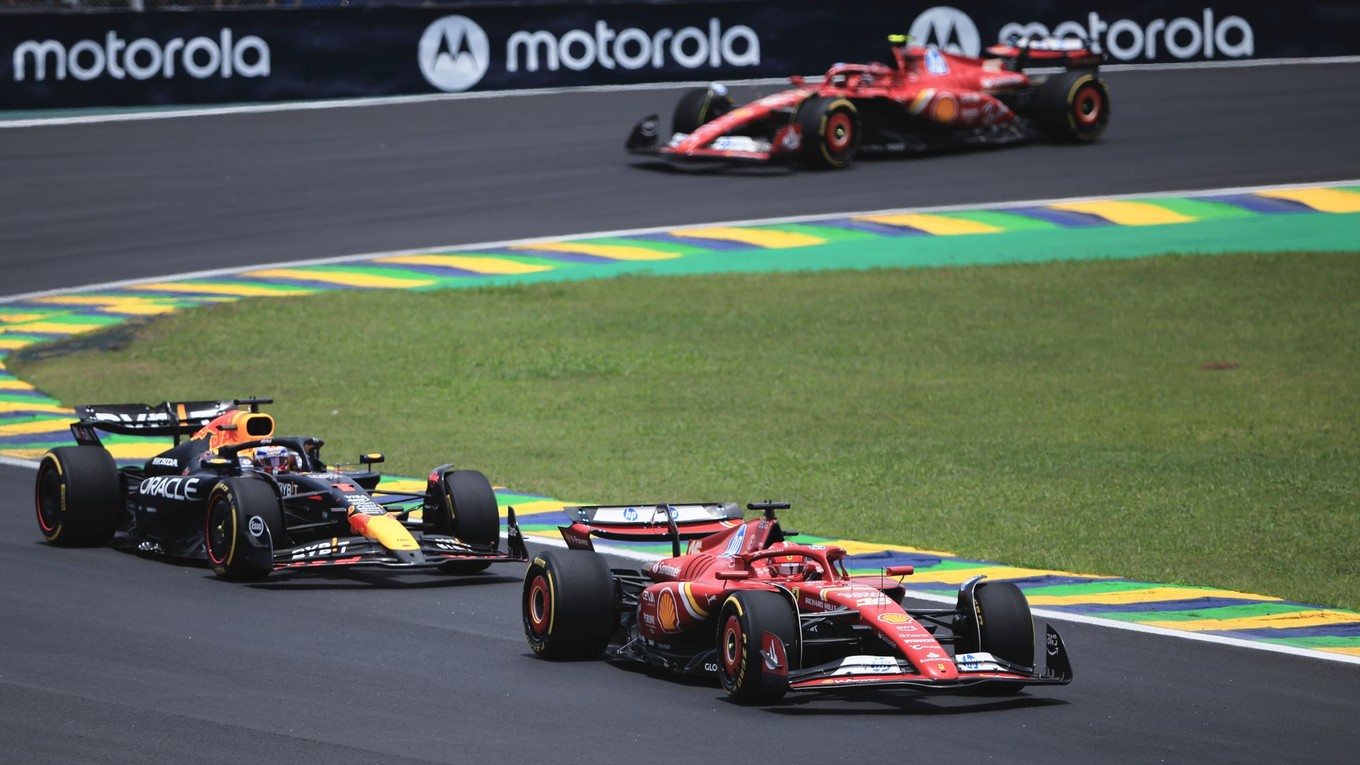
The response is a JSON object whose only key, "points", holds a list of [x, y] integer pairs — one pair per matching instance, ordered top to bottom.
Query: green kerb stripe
{"points": [[1247, 611]]}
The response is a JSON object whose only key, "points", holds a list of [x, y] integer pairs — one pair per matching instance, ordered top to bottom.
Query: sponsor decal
{"points": [[947, 28], [1126, 40], [633, 48], [453, 54], [143, 58], [935, 62], [945, 108], [165, 462], [171, 487], [362, 503], [631, 513], [256, 526], [734, 545], [321, 549], [665, 569], [667, 612], [894, 618], [1052, 643]]}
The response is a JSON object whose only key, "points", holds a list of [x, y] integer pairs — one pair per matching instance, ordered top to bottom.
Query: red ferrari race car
{"points": [[927, 100], [251, 503], [768, 616]]}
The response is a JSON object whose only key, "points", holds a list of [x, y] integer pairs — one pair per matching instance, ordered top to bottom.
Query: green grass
{"points": [[1057, 416]]}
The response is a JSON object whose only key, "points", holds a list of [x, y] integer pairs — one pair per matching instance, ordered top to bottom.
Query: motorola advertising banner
{"points": [[148, 59]]}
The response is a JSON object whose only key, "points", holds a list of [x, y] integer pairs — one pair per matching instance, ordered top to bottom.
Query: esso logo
{"points": [[948, 29], [454, 53], [256, 526]]}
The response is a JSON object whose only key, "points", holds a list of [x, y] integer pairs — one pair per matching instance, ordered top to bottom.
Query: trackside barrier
{"points": [[67, 60]]}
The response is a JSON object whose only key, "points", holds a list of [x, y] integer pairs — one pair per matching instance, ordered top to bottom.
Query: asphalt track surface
{"points": [[109, 657]]}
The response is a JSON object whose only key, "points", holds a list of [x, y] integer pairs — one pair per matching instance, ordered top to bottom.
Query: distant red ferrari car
{"points": [[929, 99], [768, 616]]}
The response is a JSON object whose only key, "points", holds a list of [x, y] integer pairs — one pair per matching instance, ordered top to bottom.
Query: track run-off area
{"points": [[1326, 218]]}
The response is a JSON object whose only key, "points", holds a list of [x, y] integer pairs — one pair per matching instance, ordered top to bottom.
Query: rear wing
{"points": [[1068, 52], [168, 419], [648, 522]]}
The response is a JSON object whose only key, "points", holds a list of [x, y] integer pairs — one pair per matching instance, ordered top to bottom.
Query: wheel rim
{"points": [[1089, 105], [840, 132], [49, 500], [221, 532], [540, 605], [732, 646]]}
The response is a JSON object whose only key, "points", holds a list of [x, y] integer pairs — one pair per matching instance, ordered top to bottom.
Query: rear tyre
{"points": [[698, 106], [1072, 107], [830, 132], [77, 496], [465, 507], [244, 525], [568, 604], [752, 673]]}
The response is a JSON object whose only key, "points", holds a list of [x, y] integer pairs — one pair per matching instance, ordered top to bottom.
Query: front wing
{"points": [[434, 550], [979, 670]]}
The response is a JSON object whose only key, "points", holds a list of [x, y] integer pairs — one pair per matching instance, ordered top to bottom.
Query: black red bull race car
{"points": [[928, 99], [251, 503], [768, 616]]}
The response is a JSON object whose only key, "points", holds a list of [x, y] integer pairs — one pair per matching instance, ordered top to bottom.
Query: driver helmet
{"points": [[274, 458]]}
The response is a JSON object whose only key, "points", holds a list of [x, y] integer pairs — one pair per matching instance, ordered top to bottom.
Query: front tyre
{"points": [[700, 105], [1073, 106], [830, 130], [77, 496], [463, 505], [244, 525], [568, 604], [1005, 625], [758, 640]]}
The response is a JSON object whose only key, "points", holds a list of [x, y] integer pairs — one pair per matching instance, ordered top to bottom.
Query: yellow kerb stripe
{"points": [[1323, 200], [1126, 213], [933, 224], [775, 240], [611, 251], [467, 263], [337, 277], [233, 290], [138, 306], [55, 327], [12, 406], [36, 426], [1148, 595], [1279, 621], [1355, 651]]}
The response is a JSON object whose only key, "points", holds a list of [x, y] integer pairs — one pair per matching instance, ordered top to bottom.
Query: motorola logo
{"points": [[947, 28], [454, 53]]}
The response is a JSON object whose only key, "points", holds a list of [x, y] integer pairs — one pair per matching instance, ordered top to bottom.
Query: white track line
{"points": [[354, 103]]}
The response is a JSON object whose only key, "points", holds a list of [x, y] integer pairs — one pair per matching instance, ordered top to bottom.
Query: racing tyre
{"points": [[700, 105], [1072, 107], [830, 132], [77, 496], [465, 507], [244, 524], [568, 604], [1005, 626], [758, 642]]}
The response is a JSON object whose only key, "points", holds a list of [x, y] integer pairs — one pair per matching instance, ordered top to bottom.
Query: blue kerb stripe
{"points": [[1260, 204], [1064, 218], [882, 229], [716, 245], [565, 257], [444, 272], [1189, 604], [1347, 629]]}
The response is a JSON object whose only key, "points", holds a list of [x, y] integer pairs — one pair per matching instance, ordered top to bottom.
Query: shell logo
{"points": [[945, 109], [668, 611], [893, 618]]}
